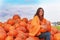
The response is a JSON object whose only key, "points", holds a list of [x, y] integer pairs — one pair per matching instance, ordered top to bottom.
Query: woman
{"points": [[45, 26]]}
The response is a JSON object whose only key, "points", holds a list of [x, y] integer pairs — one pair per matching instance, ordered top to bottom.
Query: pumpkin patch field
{"points": [[17, 28]]}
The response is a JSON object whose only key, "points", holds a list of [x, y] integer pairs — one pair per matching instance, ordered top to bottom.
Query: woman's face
{"points": [[41, 13]]}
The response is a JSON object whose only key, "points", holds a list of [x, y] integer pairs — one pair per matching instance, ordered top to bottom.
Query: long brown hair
{"points": [[38, 10], [37, 13]]}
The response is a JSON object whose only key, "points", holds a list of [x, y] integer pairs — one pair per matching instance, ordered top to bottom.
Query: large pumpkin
{"points": [[57, 36]]}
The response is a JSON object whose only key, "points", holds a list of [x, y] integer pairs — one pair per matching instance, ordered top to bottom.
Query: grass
{"points": [[58, 27]]}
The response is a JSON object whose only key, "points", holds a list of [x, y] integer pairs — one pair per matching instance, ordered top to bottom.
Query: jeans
{"points": [[45, 35]]}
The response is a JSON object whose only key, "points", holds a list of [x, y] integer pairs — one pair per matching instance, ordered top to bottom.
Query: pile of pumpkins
{"points": [[17, 28]]}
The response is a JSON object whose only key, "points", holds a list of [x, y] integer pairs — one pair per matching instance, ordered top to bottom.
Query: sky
{"points": [[27, 8]]}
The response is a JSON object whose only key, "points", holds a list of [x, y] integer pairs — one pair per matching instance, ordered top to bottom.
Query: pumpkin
{"points": [[15, 17], [17, 20], [25, 20], [29, 21], [11, 22], [0, 23], [22, 23], [16, 25], [6, 27], [28, 27], [23, 29], [53, 30], [12, 31], [58, 31], [2, 33], [52, 33], [22, 35], [57, 36], [51, 37], [9, 38], [18, 38], [32, 38]]}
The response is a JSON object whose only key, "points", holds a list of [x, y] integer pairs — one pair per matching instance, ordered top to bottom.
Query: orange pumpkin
{"points": [[16, 17], [17, 20], [25, 20], [11, 22], [29, 22], [1, 23], [22, 23], [16, 25], [6, 27], [28, 27], [23, 29], [53, 30], [12, 31], [58, 31], [2, 33], [52, 33], [22, 35], [57, 36], [51, 37], [9, 38], [18, 38], [32, 38]]}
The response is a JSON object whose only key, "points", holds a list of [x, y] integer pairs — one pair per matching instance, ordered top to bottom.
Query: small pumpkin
{"points": [[15, 17], [25, 20], [11, 22], [22, 23], [6, 27], [12, 31], [2, 33], [9, 38], [32, 38]]}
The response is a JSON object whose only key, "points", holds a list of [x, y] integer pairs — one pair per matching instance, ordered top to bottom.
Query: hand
{"points": [[43, 26]]}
